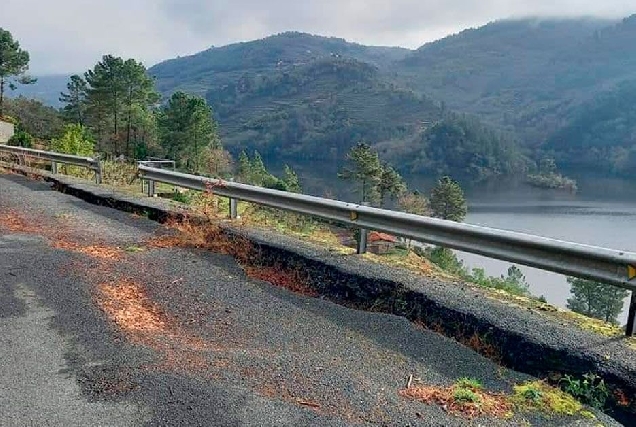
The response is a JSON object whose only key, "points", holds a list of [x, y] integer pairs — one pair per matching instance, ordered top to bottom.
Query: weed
{"points": [[185, 198], [469, 383], [590, 389], [532, 394], [463, 395], [468, 398], [461, 401]]}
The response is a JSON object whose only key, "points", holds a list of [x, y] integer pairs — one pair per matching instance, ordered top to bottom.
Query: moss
{"points": [[537, 395], [587, 414]]}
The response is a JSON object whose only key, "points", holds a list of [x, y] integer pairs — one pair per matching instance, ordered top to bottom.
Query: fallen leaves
{"points": [[485, 403]]}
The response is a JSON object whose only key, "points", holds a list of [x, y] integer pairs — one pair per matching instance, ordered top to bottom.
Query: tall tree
{"points": [[14, 62], [139, 93], [106, 95], [119, 95], [75, 100], [186, 129], [218, 161], [243, 169], [365, 169], [258, 171], [391, 184], [448, 201], [413, 203], [596, 299]]}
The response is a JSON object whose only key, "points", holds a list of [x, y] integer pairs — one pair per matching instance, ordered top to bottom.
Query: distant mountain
{"points": [[218, 66], [526, 75], [531, 88], [46, 89], [304, 99]]}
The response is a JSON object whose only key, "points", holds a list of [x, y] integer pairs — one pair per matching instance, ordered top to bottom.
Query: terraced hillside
{"points": [[306, 100]]}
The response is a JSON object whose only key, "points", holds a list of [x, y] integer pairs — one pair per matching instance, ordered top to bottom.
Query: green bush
{"points": [[21, 139]]}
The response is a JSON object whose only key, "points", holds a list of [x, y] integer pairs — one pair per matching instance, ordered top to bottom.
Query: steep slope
{"points": [[526, 76], [306, 100], [318, 110], [601, 135]]}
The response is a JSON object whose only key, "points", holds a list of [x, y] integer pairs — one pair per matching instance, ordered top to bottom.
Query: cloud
{"points": [[71, 35]]}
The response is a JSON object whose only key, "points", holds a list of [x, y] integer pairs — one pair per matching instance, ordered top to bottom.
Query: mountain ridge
{"points": [[528, 83]]}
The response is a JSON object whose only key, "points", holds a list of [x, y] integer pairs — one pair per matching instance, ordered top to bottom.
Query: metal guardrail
{"points": [[55, 158], [148, 186], [589, 262], [610, 266]]}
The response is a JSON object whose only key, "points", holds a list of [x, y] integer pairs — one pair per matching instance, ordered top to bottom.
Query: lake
{"points": [[602, 213]]}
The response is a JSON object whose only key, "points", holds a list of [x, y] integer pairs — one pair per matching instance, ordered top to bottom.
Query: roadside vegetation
{"points": [[113, 111], [468, 398]]}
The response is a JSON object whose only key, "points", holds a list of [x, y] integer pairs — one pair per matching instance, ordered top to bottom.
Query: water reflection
{"points": [[600, 215]]}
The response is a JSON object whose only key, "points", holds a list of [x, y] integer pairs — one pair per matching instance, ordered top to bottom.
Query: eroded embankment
{"points": [[521, 340]]}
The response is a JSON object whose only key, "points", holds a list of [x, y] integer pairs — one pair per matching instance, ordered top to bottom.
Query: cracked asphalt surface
{"points": [[98, 328]]}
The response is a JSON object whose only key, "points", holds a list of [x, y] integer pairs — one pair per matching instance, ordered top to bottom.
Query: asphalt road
{"points": [[98, 327]]}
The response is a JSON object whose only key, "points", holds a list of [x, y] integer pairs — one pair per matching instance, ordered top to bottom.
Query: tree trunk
{"points": [[1, 97], [129, 120]]}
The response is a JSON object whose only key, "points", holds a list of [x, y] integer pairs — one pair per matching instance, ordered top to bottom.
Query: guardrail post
{"points": [[54, 168], [98, 173], [150, 187], [233, 205], [233, 208], [362, 240], [630, 328]]}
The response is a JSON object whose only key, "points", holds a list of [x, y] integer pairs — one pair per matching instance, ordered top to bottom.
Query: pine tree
{"points": [[14, 62], [139, 94], [105, 95], [119, 95], [75, 100], [187, 130], [244, 167], [366, 170], [258, 172], [290, 179], [391, 184], [447, 200], [596, 299]]}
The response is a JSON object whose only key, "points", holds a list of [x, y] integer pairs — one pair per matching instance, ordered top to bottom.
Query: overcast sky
{"points": [[65, 36]]}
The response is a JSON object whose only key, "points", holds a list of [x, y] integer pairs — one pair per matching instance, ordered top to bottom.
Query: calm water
{"points": [[602, 213]]}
